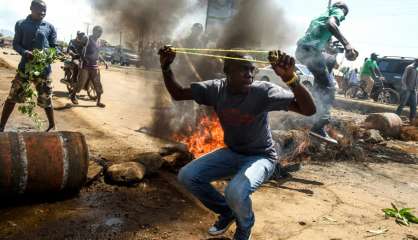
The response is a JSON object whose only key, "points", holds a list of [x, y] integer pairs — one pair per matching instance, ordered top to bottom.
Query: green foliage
{"points": [[33, 74], [402, 216]]}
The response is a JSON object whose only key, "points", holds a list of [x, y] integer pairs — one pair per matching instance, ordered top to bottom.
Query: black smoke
{"points": [[141, 19], [257, 24]]}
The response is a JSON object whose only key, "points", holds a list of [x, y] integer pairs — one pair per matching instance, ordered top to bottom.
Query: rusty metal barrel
{"points": [[42, 163]]}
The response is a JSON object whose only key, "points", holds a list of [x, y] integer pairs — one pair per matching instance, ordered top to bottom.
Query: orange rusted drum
{"points": [[35, 163]]}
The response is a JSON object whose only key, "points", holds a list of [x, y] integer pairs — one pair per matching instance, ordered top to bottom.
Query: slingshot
{"points": [[201, 52]]}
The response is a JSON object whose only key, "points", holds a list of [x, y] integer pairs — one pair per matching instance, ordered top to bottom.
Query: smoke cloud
{"points": [[142, 19], [257, 24]]}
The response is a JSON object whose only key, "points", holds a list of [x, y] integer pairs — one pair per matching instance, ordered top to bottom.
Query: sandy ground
{"points": [[325, 200]]}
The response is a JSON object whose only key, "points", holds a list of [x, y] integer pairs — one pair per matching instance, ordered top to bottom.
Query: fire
{"points": [[207, 136]]}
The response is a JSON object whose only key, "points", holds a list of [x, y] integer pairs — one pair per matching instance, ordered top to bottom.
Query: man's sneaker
{"points": [[323, 135], [221, 226], [242, 234]]}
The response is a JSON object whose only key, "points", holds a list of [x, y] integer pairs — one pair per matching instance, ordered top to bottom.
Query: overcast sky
{"points": [[387, 27]]}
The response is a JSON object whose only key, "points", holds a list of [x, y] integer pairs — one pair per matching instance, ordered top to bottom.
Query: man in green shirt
{"points": [[311, 52], [369, 72]]}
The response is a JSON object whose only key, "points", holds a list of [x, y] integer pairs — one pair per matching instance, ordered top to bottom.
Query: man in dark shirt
{"points": [[32, 33], [75, 46], [75, 50], [90, 67], [409, 91], [242, 106]]}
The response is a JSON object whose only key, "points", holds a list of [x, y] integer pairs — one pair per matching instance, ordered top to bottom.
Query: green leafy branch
{"points": [[34, 69], [402, 216]]}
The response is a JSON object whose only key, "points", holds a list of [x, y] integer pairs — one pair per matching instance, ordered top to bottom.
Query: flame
{"points": [[207, 136]]}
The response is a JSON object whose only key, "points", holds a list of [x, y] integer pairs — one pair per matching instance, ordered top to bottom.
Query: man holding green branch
{"points": [[30, 34]]}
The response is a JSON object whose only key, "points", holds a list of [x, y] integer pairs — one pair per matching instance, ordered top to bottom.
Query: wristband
{"points": [[294, 81]]}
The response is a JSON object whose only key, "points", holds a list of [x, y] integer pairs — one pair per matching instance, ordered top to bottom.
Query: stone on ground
{"points": [[152, 161], [94, 171], [126, 173]]}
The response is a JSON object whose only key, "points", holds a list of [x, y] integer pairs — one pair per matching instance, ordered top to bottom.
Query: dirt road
{"points": [[328, 200]]}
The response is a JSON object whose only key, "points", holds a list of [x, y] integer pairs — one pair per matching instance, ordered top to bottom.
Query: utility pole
{"points": [[207, 16], [120, 40]]}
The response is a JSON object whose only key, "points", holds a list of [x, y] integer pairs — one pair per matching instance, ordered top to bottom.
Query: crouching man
{"points": [[242, 106]]}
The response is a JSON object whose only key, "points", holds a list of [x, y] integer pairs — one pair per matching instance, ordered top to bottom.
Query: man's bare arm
{"points": [[335, 30], [350, 53], [284, 66], [177, 92], [303, 103]]}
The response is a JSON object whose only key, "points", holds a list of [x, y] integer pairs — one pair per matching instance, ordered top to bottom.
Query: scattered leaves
{"points": [[42, 58]]}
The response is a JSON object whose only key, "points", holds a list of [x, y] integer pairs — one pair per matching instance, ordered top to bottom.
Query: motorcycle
{"points": [[70, 80], [380, 93]]}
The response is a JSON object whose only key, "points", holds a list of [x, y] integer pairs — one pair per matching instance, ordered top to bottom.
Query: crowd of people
{"points": [[370, 73]]}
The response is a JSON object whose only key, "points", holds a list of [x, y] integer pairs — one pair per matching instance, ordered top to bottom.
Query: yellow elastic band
{"points": [[219, 50], [223, 57], [293, 80]]}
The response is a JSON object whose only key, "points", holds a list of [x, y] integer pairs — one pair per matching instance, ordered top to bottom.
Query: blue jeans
{"points": [[324, 84], [408, 96], [248, 173]]}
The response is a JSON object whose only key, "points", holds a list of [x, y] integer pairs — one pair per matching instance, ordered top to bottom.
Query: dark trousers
{"points": [[324, 84], [408, 97]]}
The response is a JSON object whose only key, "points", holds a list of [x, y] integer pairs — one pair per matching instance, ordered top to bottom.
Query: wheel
{"points": [[68, 81], [91, 92], [354, 92], [388, 96]]}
